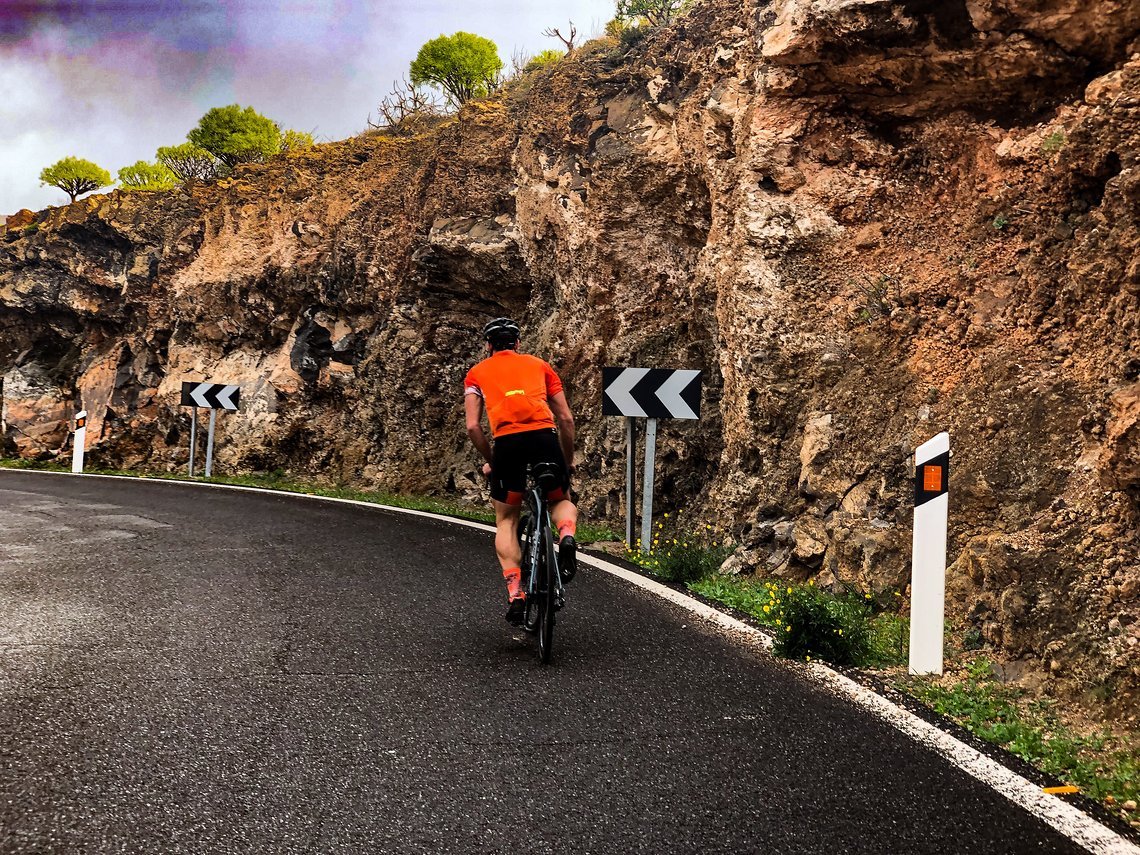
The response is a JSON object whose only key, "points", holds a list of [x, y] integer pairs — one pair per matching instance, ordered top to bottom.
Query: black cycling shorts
{"points": [[514, 452]]}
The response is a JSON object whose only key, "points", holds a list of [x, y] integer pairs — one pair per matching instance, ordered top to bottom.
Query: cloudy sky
{"points": [[112, 80]]}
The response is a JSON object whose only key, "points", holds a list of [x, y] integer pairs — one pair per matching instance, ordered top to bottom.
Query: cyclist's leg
{"points": [[508, 482], [563, 511], [564, 515], [507, 534]]}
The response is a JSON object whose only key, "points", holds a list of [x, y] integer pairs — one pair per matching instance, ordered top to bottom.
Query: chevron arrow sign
{"points": [[655, 393], [214, 396]]}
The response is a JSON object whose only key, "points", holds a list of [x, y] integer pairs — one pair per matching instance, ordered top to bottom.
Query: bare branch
{"points": [[554, 33], [519, 60], [407, 110]]}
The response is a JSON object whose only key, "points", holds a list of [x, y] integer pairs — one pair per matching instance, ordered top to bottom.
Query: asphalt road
{"points": [[194, 670]]}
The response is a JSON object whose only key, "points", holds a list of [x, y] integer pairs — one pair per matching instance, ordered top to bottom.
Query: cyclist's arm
{"points": [[473, 404], [565, 419]]}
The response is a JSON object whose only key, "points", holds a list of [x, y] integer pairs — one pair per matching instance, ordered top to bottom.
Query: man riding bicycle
{"points": [[524, 401]]}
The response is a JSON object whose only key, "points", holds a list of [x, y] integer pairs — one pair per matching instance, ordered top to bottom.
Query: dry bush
{"points": [[407, 110]]}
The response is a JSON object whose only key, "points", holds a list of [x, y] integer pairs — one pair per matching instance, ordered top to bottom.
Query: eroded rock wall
{"points": [[868, 221]]}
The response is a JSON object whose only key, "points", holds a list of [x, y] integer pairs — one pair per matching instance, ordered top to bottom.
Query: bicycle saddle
{"points": [[546, 475]]}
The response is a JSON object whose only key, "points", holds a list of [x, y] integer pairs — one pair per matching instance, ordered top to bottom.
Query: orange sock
{"points": [[567, 527], [513, 575]]}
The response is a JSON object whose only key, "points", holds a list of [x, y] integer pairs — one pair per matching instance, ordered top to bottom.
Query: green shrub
{"points": [[656, 13], [631, 37], [543, 59], [294, 141], [1053, 143], [149, 177], [684, 558], [687, 562], [814, 623], [890, 639]]}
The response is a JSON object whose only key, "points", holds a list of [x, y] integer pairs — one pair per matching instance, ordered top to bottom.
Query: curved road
{"points": [[197, 670]]}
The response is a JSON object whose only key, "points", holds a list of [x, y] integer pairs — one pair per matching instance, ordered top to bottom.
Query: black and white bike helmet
{"points": [[501, 330]]}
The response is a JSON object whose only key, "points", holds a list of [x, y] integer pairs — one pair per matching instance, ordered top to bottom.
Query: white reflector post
{"points": [[79, 445], [928, 555]]}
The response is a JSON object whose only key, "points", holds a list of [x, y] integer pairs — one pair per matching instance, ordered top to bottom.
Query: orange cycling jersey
{"points": [[515, 388]]}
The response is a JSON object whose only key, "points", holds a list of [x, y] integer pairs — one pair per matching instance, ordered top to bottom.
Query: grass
{"points": [[278, 480], [810, 623], [1102, 765]]}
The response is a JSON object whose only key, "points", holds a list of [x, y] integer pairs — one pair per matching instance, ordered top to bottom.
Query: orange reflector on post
{"points": [[80, 423], [932, 478], [1066, 790]]}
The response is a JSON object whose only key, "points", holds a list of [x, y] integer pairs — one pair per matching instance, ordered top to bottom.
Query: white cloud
{"points": [[314, 66]]}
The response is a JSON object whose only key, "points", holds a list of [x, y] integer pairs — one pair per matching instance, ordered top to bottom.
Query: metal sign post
{"points": [[649, 393], [213, 396], [79, 444], [928, 555]]}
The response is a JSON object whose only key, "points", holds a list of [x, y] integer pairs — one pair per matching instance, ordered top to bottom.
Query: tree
{"points": [[655, 12], [463, 66], [235, 135], [296, 141], [188, 162], [75, 176], [147, 176]]}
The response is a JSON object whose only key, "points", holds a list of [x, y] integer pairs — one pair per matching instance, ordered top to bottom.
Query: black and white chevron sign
{"points": [[656, 393], [214, 396]]}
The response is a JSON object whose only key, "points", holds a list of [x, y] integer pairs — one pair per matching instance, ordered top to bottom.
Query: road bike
{"points": [[542, 582]]}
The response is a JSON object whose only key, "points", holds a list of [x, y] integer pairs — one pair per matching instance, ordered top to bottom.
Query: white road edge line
{"points": [[1063, 817]]}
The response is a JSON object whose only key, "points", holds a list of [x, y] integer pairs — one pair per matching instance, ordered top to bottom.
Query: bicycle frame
{"points": [[545, 543]]}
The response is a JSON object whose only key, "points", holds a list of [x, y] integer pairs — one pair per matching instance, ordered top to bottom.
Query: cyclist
{"points": [[531, 422]]}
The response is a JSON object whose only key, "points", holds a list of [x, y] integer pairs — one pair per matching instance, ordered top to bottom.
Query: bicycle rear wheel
{"points": [[546, 594]]}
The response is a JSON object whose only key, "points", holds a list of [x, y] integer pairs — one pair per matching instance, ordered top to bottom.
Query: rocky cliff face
{"points": [[868, 221]]}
